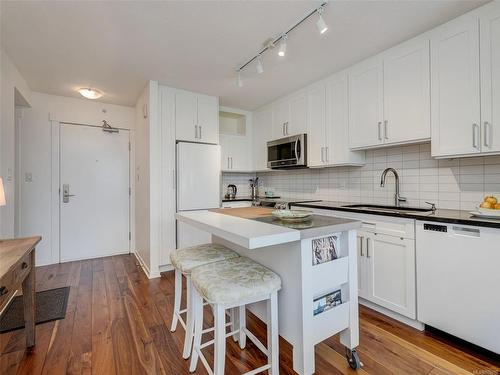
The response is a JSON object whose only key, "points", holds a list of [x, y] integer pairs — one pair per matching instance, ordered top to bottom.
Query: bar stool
{"points": [[184, 261], [230, 284]]}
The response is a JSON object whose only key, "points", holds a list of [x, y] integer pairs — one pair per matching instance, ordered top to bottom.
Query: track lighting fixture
{"points": [[321, 24], [282, 40], [282, 50], [259, 67]]}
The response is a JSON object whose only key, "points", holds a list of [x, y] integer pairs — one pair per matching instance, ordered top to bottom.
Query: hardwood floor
{"points": [[118, 321]]}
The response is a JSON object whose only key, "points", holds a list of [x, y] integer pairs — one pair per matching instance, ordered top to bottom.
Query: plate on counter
{"points": [[486, 213], [292, 215]]}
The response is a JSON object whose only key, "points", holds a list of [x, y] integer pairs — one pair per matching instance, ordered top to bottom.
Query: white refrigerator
{"points": [[197, 185]]}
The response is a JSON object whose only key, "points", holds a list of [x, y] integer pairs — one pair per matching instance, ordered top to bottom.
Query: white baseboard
{"points": [[92, 257], [143, 264], [166, 268], [391, 314]]}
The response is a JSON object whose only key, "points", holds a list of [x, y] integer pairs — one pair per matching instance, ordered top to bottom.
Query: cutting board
{"points": [[245, 212]]}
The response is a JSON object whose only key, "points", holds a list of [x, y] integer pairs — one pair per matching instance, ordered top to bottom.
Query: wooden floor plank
{"points": [[118, 322]]}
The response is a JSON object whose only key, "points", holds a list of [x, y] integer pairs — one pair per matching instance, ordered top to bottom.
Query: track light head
{"points": [[321, 24], [282, 50], [260, 66]]}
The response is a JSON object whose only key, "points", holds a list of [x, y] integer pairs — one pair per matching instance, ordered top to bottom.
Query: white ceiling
{"points": [[196, 45]]}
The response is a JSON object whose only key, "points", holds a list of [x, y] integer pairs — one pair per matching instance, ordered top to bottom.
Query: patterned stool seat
{"points": [[188, 258], [234, 280]]}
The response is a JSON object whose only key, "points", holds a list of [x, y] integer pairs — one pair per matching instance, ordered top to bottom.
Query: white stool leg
{"points": [[177, 299], [197, 311], [233, 319], [242, 324], [272, 334], [188, 337], [220, 339]]}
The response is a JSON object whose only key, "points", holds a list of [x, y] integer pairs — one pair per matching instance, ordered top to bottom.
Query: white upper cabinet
{"points": [[490, 79], [455, 88], [390, 97], [366, 104], [298, 113], [407, 113], [186, 115], [290, 115], [196, 117], [208, 119], [328, 121], [316, 125], [262, 133], [337, 150], [236, 153]]}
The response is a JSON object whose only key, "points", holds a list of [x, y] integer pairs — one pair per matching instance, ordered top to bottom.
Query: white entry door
{"points": [[94, 195]]}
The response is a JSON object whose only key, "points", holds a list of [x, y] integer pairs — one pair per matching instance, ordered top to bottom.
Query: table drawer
{"points": [[13, 280]]}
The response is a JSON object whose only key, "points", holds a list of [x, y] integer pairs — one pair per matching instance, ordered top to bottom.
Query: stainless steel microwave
{"points": [[287, 153]]}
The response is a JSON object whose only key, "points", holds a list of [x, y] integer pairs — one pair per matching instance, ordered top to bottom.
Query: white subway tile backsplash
{"points": [[450, 183]]}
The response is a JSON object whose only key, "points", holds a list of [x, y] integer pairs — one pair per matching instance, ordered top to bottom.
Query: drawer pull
{"points": [[24, 265], [3, 290]]}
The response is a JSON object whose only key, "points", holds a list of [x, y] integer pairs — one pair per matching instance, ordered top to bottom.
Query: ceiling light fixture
{"points": [[321, 24], [282, 40], [282, 50], [260, 67], [90, 93]]}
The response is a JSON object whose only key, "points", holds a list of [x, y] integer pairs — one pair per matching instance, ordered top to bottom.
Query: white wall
{"points": [[13, 91], [37, 202]]}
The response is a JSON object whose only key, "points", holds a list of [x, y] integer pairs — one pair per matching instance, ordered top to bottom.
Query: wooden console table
{"points": [[17, 272]]}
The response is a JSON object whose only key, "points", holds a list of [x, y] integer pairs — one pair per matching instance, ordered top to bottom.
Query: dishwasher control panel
{"points": [[436, 227]]}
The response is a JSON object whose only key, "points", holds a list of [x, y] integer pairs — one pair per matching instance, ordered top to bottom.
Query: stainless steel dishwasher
{"points": [[458, 281]]}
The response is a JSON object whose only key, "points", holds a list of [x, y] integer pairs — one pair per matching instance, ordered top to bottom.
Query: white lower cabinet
{"points": [[386, 261], [390, 273]]}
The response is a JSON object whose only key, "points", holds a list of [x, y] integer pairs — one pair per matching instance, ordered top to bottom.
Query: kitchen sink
{"points": [[375, 207]]}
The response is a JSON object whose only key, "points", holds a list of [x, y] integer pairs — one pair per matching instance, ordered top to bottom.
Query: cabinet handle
{"points": [[379, 125], [283, 129], [385, 129], [196, 131], [200, 132], [487, 134], [474, 139], [326, 154], [322, 160], [228, 162], [231, 162], [361, 246], [367, 247]]}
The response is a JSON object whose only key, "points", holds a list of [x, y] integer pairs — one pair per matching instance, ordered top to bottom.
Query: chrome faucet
{"points": [[397, 198]]}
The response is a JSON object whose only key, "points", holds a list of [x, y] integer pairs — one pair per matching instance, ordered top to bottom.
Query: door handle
{"points": [[487, 134], [474, 138], [66, 193]]}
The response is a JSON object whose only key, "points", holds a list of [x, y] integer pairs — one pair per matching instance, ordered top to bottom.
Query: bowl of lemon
{"points": [[489, 207]]}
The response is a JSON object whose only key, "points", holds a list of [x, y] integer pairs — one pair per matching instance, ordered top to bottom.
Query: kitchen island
{"points": [[317, 263]]}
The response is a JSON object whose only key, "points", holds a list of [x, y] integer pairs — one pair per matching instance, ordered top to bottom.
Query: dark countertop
{"points": [[246, 199], [442, 216]]}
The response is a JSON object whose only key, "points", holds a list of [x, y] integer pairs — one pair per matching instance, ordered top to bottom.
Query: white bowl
{"points": [[292, 215]]}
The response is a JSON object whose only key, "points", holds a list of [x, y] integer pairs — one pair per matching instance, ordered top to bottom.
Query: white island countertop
{"points": [[253, 229], [244, 232]]}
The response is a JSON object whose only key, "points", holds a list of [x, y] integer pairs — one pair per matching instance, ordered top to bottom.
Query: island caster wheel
{"points": [[353, 359]]}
